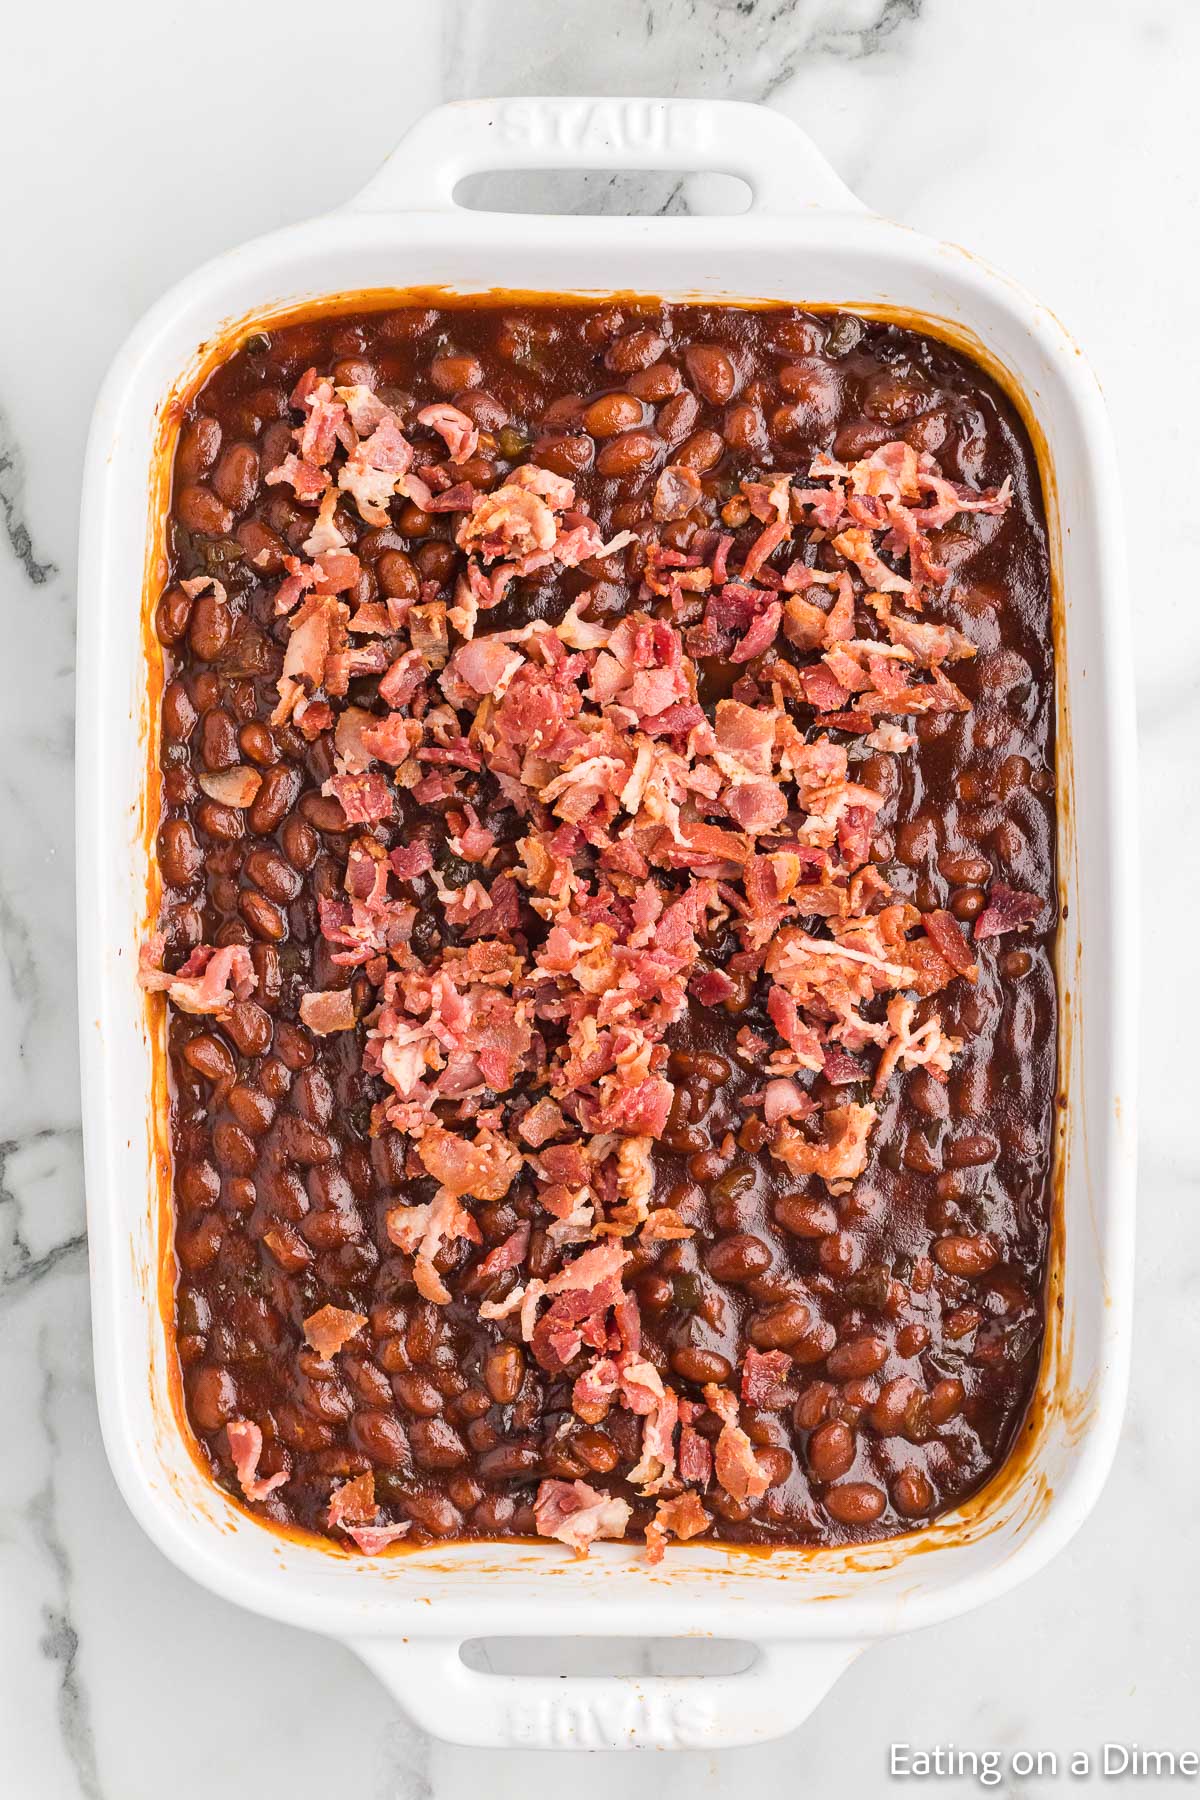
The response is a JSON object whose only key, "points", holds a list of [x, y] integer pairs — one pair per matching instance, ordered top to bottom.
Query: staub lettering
{"points": [[620, 127], [610, 1722]]}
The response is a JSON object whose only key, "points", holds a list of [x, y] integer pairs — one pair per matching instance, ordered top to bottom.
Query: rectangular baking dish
{"points": [[804, 239]]}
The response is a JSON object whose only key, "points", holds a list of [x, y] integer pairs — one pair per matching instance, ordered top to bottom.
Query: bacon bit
{"points": [[459, 433], [676, 492], [234, 787], [365, 799], [646, 820], [410, 860], [1008, 909], [942, 930], [210, 981], [328, 1011], [927, 1047], [841, 1070], [785, 1100], [542, 1122], [843, 1154], [485, 1169], [423, 1230], [508, 1255], [330, 1328], [763, 1375], [595, 1390], [245, 1447], [695, 1457], [738, 1470], [354, 1502], [577, 1514], [683, 1517], [371, 1539]]}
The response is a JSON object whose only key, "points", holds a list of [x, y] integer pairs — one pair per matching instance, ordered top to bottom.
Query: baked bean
{"points": [[636, 350], [710, 372], [450, 373], [655, 383], [612, 414], [678, 417], [745, 429], [199, 442], [703, 450], [631, 451], [568, 456], [235, 477], [199, 510], [262, 547], [398, 576], [171, 616], [211, 627], [178, 714], [218, 739], [274, 799], [323, 812], [179, 854], [275, 876], [262, 915], [249, 1027], [209, 1057], [251, 1108], [972, 1151], [197, 1184], [198, 1246], [287, 1247], [839, 1254], [968, 1256], [738, 1257], [779, 1327], [912, 1339], [816, 1343], [857, 1357], [695, 1364], [503, 1373], [213, 1397], [945, 1399], [380, 1435], [436, 1445], [595, 1450], [831, 1451], [776, 1463], [912, 1493], [855, 1502], [434, 1514]]}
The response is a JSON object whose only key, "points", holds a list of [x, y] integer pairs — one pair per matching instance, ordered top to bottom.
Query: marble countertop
{"points": [[1057, 140]]}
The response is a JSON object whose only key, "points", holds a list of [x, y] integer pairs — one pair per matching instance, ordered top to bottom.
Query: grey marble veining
{"points": [[1058, 140]]}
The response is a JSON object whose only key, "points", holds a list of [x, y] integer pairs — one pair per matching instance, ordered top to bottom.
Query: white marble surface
{"points": [[1055, 137]]}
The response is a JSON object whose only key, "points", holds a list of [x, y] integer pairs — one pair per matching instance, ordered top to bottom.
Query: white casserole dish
{"points": [[804, 239]]}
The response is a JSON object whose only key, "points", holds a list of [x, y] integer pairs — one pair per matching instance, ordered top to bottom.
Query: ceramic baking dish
{"points": [[804, 239]]}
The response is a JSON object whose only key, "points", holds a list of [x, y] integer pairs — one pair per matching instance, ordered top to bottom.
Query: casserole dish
{"points": [[807, 1612]]}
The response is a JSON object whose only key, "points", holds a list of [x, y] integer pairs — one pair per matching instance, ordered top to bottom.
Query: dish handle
{"points": [[783, 168], [437, 1690]]}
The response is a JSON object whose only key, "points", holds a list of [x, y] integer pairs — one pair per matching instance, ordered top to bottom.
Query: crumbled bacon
{"points": [[234, 787], [596, 827], [1007, 909], [210, 981], [330, 1010], [331, 1327], [245, 1447], [737, 1468], [577, 1514], [682, 1517]]}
